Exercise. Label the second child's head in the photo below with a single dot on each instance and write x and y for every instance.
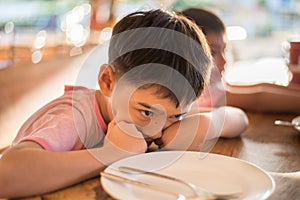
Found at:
(214, 30)
(161, 62)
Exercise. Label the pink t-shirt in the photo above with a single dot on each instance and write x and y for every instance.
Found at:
(70, 122)
(214, 95)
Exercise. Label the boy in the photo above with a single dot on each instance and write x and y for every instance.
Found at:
(158, 65)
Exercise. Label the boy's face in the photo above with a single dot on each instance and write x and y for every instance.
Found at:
(148, 111)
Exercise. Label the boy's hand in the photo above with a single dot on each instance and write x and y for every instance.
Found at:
(125, 137)
(122, 140)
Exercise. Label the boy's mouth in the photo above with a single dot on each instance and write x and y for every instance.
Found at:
(156, 141)
(149, 143)
(159, 142)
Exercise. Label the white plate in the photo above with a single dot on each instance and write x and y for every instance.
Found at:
(296, 120)
(213, 172)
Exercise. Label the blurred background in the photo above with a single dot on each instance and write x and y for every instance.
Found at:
(37, 30)
(44, 45)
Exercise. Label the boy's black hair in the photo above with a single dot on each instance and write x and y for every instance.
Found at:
(163, 49)
(205, 19)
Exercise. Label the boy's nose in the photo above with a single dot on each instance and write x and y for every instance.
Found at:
(151, 133)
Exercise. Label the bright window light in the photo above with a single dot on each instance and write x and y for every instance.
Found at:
(265, 70)
(40, 40)
(236, 33)
(105, 35)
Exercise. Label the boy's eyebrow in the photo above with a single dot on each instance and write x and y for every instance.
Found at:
(149, 107)
(157, 110)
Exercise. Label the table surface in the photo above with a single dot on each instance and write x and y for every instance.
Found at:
(276, 149)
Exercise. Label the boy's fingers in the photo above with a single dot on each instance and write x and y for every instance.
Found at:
(130, 129)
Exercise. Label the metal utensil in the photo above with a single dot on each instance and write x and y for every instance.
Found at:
(154, 188)
(286, 123)
(197, 191)
(141, 184)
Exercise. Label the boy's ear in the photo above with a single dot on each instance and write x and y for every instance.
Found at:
(106, 80)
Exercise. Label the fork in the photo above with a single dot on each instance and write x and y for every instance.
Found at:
(141, 184)
(152, 187)
(198, 192)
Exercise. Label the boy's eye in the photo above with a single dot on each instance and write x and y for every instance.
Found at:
(147, 113)
(178, 117)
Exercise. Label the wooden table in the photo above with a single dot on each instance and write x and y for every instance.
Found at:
(275, 149)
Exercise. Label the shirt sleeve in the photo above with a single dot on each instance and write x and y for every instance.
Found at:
(54, 128)
(70, 122)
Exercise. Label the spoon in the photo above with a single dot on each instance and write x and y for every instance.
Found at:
(286, 123)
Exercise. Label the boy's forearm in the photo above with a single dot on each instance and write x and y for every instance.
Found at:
(28, 164)
(191, 132)
(34, 171)
(187, 134)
